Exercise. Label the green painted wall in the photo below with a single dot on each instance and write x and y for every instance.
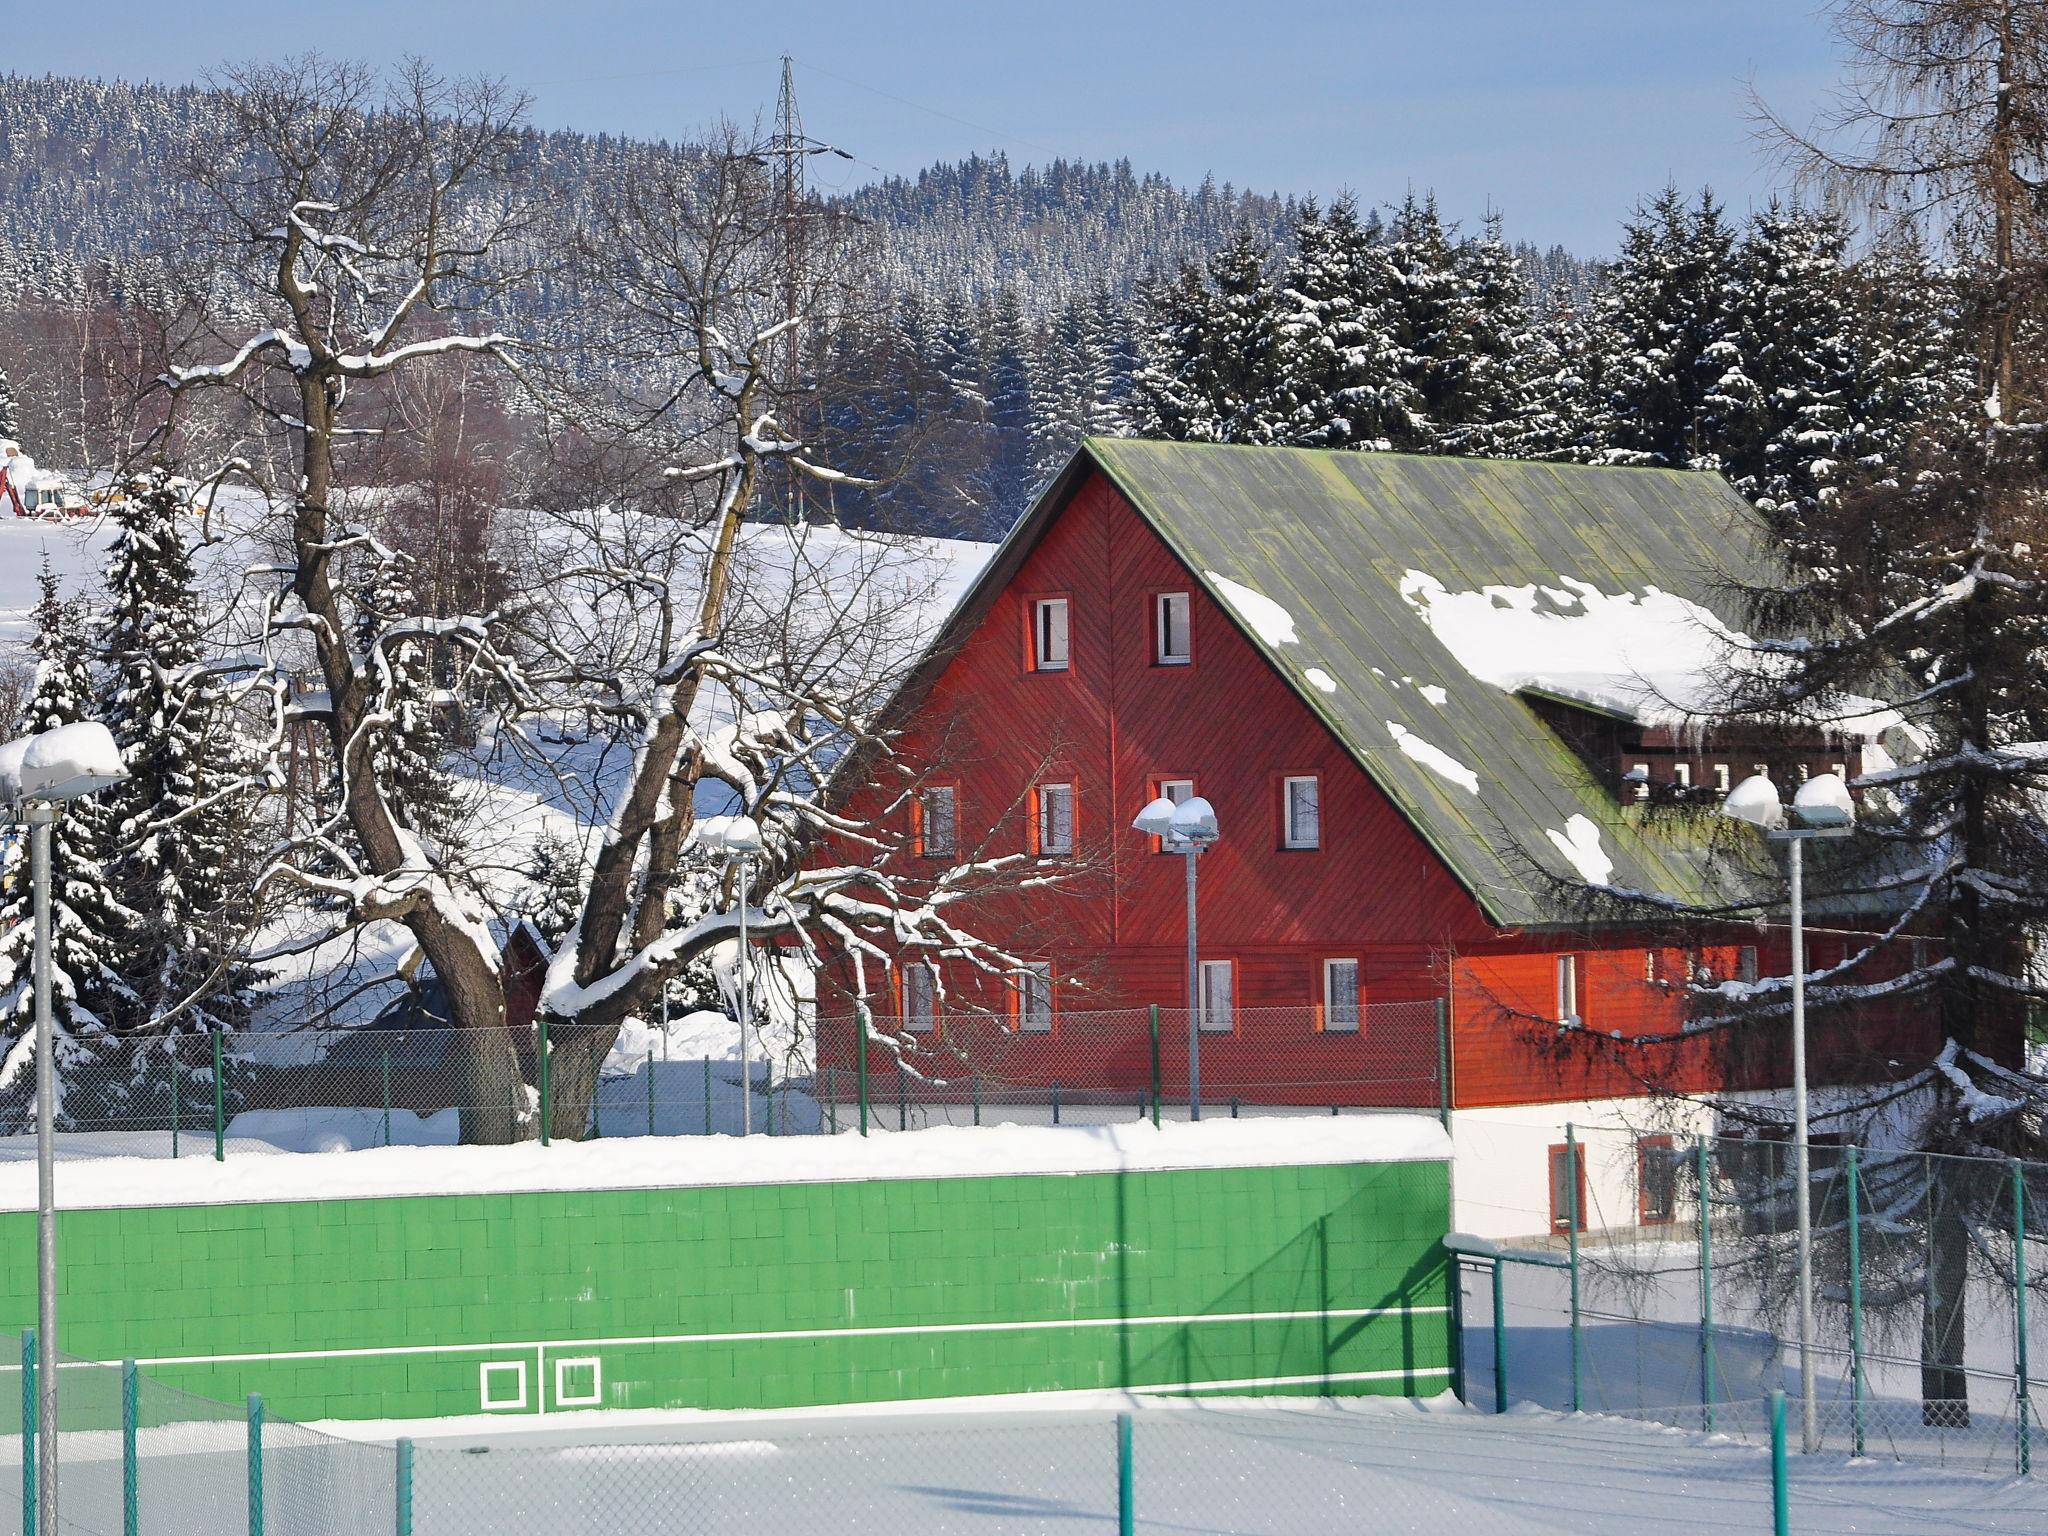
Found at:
(1257, 1279)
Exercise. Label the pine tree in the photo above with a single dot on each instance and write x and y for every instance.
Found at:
(179, 827)
(88, 923)
(1659, 316)
(555, 870)
(1340, 379)
(411, 749)
(1430, 324)
(1006, 351)
(1500, 348)
(1212, 368)
(10, 419)
(1782, 405)
(1913, 370)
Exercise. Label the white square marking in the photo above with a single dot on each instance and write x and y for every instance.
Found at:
(565, 1396)
(501, 1402)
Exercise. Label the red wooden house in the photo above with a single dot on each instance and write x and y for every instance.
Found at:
(1430, 699)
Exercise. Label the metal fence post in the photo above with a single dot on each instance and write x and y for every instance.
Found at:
(1707, 1382)
(860, 1026)
(255, 1464)
(975, 1079)
(1571, 1220)
(1443, 1060)
(131, 1480)
(832, 1098)
(1126, 1494)
(708, 1125)
(650, 1090)
(384, 1074)
(220, 1103)
(547, 1088)
(768, 1092)
(403, 1521)
(902, 1099)
(1154, 1012)
(1781, 1513)
(29, 1400)
(177, 1109)
(1055, 1101)
(2019, 1294)
(1500, 1341)
(1855, 1194)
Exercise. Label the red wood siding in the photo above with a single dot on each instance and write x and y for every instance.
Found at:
(1114, 723)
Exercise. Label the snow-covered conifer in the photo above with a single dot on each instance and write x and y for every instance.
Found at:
(410, 750)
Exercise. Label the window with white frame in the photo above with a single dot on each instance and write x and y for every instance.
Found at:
(1034, 997)
(1173, 643)
(1055, 820)
(1640, 773)
(938, 821)
(1301, 812)
(1681, 775)
(1721, 777)
(1049, 638)
(1340, 996)
(1568, 990)
(1217, 977)
(1179, 791)
(920, 997)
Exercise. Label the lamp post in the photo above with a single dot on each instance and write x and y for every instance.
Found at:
(738, 838)
(1821, 808)
(1188, 829)
(37, 773)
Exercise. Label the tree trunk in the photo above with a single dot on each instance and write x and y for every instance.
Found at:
(575, 1059)
(1944, 1387)
(496, 1107)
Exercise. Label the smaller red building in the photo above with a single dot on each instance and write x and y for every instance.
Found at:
(1432, 701)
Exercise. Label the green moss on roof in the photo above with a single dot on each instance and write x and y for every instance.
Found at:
(1328, 536)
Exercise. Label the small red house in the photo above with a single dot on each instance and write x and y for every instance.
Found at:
(1431, 701)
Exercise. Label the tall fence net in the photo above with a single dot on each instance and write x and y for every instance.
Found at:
(330, 1090)
(135, 1455)
(1930, 1312)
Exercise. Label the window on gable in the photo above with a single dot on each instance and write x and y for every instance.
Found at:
(938, 821)
(1639, 773)
(1218, 1014)
(1301, 810)
(920, 997)
(1568, 990)
(1340, 996)
(1172, 638)
(1055, 820)
(1050, 650)
(1681, 775)
(1034, 998)
(1721, 777)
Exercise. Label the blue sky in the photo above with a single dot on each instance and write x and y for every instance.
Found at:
(1560, 113)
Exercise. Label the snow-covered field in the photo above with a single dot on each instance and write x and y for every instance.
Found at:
(1271, 1468)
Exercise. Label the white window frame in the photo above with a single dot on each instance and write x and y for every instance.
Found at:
(1722, 778)
(920, 1020)
(1681, 775)
(1034, 1006)
(926, 844)
(492, 1404)
(1289, 837)
(1049, 846)
(1052, 634)
(1227, 969)
(1349, 999)
(1569, 988)
(1642, 784)
(1162, 629)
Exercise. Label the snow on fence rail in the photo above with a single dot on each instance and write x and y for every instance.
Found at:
(323, 1090)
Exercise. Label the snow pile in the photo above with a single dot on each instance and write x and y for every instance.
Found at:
(1320, 679)
(661, 1162)
(1649, 655)
(1433, 758)
(1261, 615)
(1580, 843)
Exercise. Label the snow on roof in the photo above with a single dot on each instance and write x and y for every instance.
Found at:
(1433, 758)
(1579, 842)
(1266, 618)
(699, 1161)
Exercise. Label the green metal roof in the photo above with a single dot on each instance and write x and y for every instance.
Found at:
(1329, 537)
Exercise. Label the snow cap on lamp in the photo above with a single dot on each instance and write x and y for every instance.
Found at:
(731, 836)
(70, 761)
(1824, 801)
(1156, 820)
(1194, 821)
(1755, 800)
(10, 768)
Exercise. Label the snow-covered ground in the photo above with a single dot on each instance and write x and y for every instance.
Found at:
(1213, 1468)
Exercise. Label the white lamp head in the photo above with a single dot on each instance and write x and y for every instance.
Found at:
(1194, 822)
(1156, 820)
(70, 761)
(1755, 800)
(743, 837)
(1824, 801)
